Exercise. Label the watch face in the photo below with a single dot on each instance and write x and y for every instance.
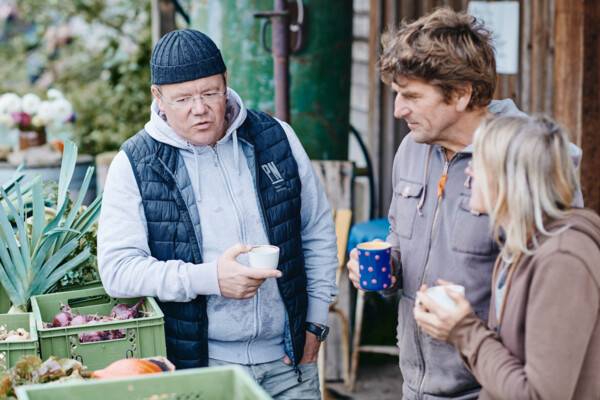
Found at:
(324, 333)
(320, 332)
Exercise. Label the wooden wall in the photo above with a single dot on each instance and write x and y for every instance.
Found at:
(559, 75)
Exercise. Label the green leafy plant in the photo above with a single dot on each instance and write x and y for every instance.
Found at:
(34, 260)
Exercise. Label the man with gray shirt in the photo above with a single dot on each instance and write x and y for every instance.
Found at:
(185, 199)
(443, 71)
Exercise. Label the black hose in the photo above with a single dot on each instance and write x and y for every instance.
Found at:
(369, 172)
(181, 11)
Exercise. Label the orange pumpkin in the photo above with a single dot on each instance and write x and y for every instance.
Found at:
(58, 144)
(126, 367)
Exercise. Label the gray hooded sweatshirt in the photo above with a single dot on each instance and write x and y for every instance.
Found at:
(435, 238)
(226, 212)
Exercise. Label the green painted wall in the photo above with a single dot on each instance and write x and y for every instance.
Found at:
(319, 73)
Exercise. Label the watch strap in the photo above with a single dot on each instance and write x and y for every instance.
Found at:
(319, 331)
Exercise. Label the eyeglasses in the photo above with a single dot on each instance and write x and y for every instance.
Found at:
(188, 101)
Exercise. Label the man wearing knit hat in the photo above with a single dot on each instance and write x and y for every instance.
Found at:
(184, 201)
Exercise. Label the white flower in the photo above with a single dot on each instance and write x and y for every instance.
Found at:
(61, 110)
(30, 103)
(39, 121)
(10, 103)
(46, 111)
(54, 94)
(6, 119)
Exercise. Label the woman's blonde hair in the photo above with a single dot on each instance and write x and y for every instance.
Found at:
(528, 176)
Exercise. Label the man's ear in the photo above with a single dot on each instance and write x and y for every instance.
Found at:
(462, 97)
(157, 97)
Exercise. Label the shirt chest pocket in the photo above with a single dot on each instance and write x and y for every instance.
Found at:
(406, 199)
(471, 232)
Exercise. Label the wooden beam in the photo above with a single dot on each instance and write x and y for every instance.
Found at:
(590, 105)
(568, 38)
(374, 114)
(538, 58)
(163, 18)
(525, 42)
(577, 86)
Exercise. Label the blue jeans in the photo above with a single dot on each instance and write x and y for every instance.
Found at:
(280, 381)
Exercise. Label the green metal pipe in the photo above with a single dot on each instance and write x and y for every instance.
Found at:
(319, 72)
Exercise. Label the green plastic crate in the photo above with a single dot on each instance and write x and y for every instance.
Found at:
(145, 337)
(214, 383)
(10, 352)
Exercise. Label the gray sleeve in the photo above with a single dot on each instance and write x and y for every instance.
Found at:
(126, 266)
(318, 236)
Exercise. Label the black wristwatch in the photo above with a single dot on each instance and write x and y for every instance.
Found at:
(320, 332)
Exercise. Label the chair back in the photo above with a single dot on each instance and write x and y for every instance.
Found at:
(337, 178)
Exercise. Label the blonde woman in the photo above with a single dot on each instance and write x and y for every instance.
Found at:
(542, 340)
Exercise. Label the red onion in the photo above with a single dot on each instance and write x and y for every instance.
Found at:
(116, 334)
(92, 336)
(125, 311)
(78, 320)
(63, 318)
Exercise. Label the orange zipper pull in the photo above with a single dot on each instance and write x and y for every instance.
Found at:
(442, 184)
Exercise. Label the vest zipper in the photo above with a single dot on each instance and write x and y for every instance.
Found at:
(441, 186)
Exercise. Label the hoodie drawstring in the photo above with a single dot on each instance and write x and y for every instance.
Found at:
(196, 169)
(236, 155)
(422, 201)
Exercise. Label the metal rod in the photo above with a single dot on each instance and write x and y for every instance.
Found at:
(281, 53)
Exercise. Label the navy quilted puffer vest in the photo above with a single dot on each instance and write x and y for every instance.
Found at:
(157, 167)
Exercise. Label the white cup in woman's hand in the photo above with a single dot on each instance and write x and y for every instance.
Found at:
(439, 295)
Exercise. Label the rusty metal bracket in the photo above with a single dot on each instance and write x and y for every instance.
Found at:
(295, 26)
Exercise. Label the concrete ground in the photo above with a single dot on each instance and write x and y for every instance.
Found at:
(373, 382)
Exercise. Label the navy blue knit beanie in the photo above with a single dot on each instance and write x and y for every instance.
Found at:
(185, 55)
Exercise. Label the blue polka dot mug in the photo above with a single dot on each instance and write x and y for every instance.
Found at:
(375, 265)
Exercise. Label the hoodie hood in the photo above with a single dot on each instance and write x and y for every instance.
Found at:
(499, 108)
(508, 107)
(582, 220)
(159, 128)
(505, 107)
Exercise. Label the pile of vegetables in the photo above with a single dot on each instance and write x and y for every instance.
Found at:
(14, 335)
(119, 312)
(30, 369)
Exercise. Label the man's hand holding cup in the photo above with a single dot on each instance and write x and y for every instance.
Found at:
(238, 281)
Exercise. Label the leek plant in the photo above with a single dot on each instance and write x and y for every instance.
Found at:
(33, 260)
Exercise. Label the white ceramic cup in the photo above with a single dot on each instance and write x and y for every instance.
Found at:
(264, 256)
(438, 294)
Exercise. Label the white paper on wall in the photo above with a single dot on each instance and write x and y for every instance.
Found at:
(502, 19)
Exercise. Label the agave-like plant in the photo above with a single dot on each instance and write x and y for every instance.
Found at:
(33, 260)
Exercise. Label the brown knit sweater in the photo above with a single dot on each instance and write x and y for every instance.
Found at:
(548, 342)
